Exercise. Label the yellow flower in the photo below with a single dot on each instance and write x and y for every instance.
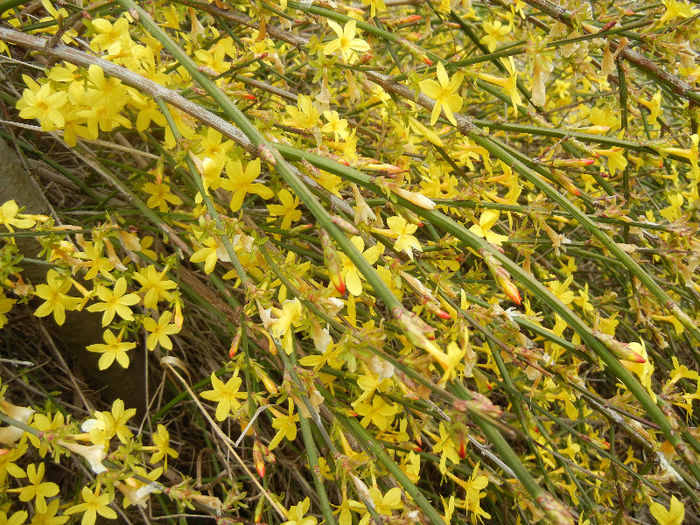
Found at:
(116, 420)
(161, 443)
(225, 394)
(486, 221)
(672, 516)
(110, 37)
(148, 111)
(5, 306)
(561, 290)
(38, 489)
(240, 182)
(159, 331)
(674, 211)
(287, 210)
(93, 504)
(154, 285)
(160, 195)
(207, 254)
(295, 514)
(654, 107)
(375, 5)
(42, 103)
(8, 216)
(384, 504)
(508, 84)
(616, 158)
(287, 318)
(495, 31)
(444, 93)
(55, 299)
(445, 447)
(113, 350)
(402, 231)
(473, 487)
(689, 153)
(286, 426)
(642, 366)
(17, 518)
(48, 517)
(336, 125)
(114, 302)
(349, 273)
(305, 115)
(97, 264)
(455, 354)
(676, 9)
(378, 412)
(103, 102)
(48, 424)
(346, 42)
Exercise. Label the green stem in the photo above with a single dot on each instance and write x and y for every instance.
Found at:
(378, 452)
(309, 444)
(10, 4)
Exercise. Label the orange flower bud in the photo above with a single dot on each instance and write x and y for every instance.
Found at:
(511, 291)
(621, 350)
(258, 459)
(332, 263)
(566, 183)
(434, 307)
(502, 277)
(462, 449)
(401, 21)
(415, 50)
(234, 344)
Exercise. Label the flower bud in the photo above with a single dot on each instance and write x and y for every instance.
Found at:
(621, 350)
(415, 50)
(258, 459)
(434, 307)
(418, 199)
(235, 344)
(566, 183)
(502, 277)
(557, 513)
(572, 163)
(401, 21)
(345, 225)
(259, 508)
(332, 263)
(413, 326)
(268, 383)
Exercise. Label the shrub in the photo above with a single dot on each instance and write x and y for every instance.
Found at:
(382, 261)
